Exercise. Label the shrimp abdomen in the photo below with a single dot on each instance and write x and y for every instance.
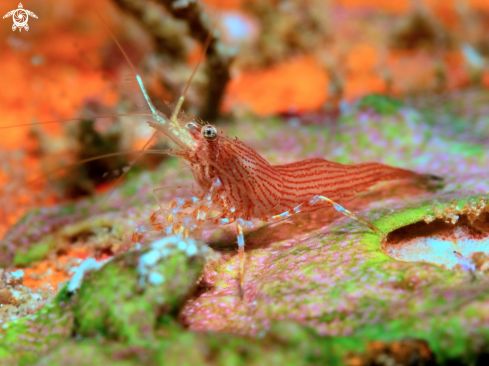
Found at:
(307, 178)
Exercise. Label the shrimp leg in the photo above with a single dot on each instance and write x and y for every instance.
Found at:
(241, 257)
(316, 199)
(171, 223)
(240, 223)
(348, 213)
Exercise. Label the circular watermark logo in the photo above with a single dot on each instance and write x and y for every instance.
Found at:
(20, 17)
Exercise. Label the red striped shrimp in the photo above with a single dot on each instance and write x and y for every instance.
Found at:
(241, 185)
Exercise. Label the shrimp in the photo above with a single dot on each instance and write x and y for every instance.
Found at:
(241, 185)
(238, 185)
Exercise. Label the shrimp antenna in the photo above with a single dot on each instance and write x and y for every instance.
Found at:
(37, 179)
(101, 116)
(98, 157)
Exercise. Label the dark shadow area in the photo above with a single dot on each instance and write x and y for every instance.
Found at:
(438, 227)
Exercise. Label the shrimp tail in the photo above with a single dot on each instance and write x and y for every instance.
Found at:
(430, 182)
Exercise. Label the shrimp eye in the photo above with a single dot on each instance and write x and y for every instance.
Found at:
(209, 132)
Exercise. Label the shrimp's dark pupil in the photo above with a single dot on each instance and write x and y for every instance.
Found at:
(209, 132)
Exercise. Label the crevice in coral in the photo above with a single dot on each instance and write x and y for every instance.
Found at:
(450, 239)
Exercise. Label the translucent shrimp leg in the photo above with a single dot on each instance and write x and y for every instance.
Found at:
(345, 212)
(240, 224)
(241, 257)
(175, 207)
(139, 232)
(171, 222)
(321, 199)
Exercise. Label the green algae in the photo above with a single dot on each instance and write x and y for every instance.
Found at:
(284, 344)
(105, 229)
(381, 104)
(35, 253)
(116, 303)
(23, 340)
(113, 303)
